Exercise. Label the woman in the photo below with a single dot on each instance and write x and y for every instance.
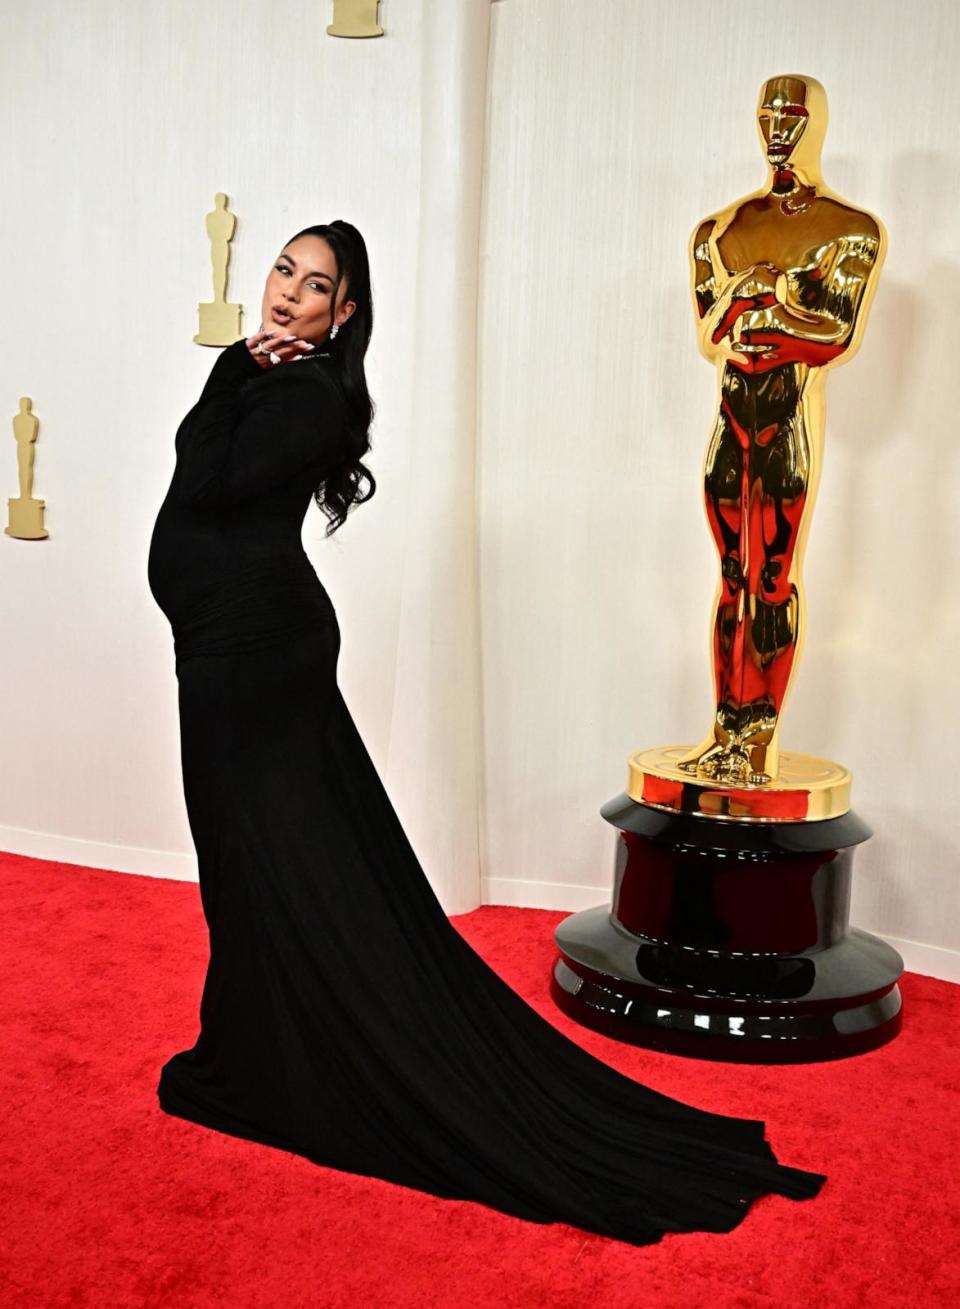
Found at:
(343, 1017)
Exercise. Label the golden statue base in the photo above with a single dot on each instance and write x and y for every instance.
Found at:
(26, 519)
(806, 789)
(219, 323)
(355, 18)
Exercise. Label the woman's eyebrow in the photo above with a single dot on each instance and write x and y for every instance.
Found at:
(315, 273)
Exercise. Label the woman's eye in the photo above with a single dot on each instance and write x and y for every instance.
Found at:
(281, 268)
(318, 286)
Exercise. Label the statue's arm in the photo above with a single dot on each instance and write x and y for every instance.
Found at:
(716, 291)
(821, 300)
(703, 275)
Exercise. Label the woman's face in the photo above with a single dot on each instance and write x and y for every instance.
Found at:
(299, 290)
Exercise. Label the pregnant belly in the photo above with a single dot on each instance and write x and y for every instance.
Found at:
(221, 599)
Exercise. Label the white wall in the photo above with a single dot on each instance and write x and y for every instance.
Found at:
(613, 128)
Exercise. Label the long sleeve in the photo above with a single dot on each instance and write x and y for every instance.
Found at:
(232, 367)
(251, 431)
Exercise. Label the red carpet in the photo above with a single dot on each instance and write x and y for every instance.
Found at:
(109, 1203)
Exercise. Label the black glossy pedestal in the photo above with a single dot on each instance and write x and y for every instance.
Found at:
(730, 940)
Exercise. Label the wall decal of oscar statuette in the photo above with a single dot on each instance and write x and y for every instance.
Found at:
(26, 513)
(355, 18)
(219, 321)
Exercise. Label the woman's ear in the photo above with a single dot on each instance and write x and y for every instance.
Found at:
(345, 310)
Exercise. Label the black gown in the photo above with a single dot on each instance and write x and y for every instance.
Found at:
(343, 1017)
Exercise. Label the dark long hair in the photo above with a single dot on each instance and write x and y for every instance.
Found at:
(343, 485)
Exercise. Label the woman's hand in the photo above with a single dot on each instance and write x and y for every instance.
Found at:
(279, 343)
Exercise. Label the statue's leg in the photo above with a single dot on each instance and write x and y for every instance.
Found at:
(220, 256)
(25, 451)
(774, 597)
(724, 491)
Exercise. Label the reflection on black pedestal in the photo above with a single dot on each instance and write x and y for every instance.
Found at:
(731, 941)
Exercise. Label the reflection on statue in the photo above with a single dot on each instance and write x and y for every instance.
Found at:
(355, 18)
(25, 513)
(219, 321)
(782, 281)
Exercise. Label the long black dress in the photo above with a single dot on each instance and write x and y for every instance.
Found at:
(343, 1017)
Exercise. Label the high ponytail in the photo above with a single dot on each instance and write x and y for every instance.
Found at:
(349, 483)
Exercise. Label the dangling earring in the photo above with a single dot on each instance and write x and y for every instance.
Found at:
(334, 330)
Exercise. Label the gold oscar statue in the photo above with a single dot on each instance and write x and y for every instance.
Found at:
(782, 282)
(26, 513)
(219, 321)
(729, 935)
(355, 18)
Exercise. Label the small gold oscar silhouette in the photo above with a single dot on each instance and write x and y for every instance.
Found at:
(219, 321)
(355, 18)
(26, 513)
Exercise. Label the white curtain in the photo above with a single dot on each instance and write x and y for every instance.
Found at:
(526, 600)
(433, 759)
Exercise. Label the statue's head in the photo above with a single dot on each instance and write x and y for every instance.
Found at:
(792, 117)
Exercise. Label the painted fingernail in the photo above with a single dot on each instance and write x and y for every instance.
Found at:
(289, 338)
(310, 346)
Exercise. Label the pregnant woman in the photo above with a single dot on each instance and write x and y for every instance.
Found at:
(343, 1017)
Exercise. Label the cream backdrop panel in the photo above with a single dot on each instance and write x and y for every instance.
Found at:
(574, 502)
(119, 122)
(613, 128)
